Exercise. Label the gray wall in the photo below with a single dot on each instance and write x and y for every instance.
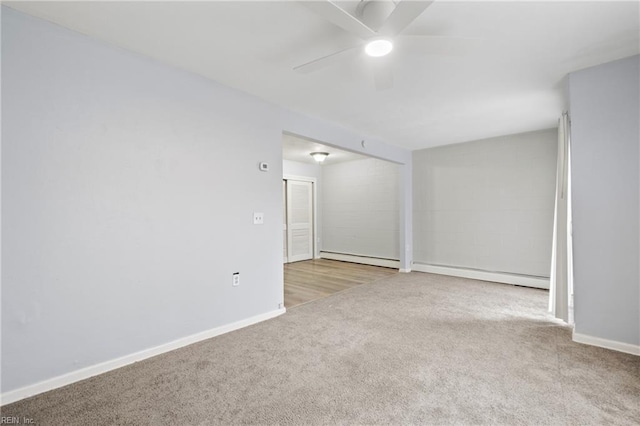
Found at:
(487, 204)
(360, 208)
(128, 189)
(605, 111)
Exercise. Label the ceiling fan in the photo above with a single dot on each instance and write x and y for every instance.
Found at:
(377, 22)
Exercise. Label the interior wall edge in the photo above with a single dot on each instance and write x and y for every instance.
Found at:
(104, 367)
(497, 277)
(365, 260)
(606, 344)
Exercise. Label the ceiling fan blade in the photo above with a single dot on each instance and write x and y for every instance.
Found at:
(328, 60)
(405, 13)
(340, 17)
(382, 74)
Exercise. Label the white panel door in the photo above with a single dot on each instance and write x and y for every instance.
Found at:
(299, 220)
(284, 220)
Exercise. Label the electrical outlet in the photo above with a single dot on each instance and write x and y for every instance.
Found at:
(258, 218)
(236, 279)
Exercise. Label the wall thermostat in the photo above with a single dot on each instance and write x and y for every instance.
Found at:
(264, 167)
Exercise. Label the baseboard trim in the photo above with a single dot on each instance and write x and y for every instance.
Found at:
(499, 277)
(365, 260)
(404, 271)
(94, 370)
(607, 344)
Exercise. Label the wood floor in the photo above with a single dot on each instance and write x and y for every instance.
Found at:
(313, 279)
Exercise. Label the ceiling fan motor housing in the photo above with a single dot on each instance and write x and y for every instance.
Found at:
(373, 13)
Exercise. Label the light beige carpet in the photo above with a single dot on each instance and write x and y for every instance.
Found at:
(411, 349)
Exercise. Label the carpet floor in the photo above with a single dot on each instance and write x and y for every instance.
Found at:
(410, 349)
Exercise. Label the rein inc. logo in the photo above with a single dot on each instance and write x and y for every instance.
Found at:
(16, 421)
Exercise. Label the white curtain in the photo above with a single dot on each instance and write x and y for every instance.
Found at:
(560, 257)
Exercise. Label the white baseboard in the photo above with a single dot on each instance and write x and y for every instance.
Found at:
(498, 277)
(404, 271)
(94, 370)
(607, 344)
(374, 261)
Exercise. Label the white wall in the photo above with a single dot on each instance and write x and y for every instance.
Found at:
(360, 208)
(128, 189)
(605, 134)
(296, 168)
(487, 204)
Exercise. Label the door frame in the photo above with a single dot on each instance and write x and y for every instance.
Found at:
(314, 208)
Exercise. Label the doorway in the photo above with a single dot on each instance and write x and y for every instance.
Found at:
(355, 219)
(299, 223)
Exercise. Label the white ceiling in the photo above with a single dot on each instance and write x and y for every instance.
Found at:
(507, 79)
(295, 148)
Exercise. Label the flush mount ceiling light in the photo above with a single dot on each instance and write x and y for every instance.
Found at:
(378, 47)
(319, 156)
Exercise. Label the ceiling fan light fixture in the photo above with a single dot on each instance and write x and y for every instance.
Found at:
(378, 47)
(319, 156)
